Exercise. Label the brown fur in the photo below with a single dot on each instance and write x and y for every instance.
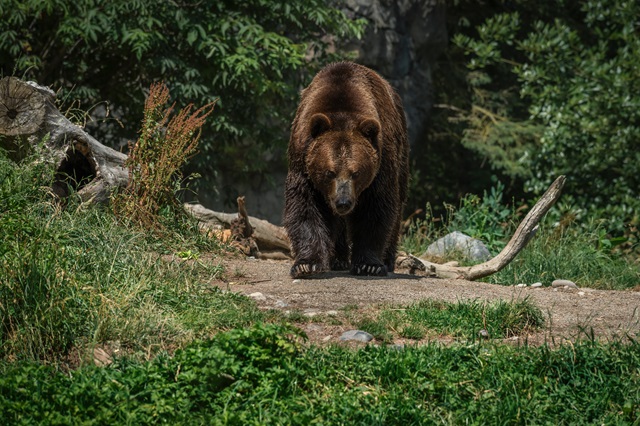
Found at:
(348, 173)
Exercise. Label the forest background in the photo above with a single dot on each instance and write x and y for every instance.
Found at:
(510, 94)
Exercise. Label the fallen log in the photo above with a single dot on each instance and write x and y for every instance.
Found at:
(28, 117)
(267, 235)
(525, 231)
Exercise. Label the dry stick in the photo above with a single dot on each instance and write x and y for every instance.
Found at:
(526, 230)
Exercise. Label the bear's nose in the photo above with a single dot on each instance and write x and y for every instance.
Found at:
(343, 204)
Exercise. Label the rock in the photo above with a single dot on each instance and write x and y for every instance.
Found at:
(581, 293)
(281, 304)
(536, 285)
(403, 41)
(297, 281)
(457, 242)
(258, 296)
(521, 285)
(101, 358)
(332, 313)
(311, 312)
(563, 283)
(357, 335)
(483, 333)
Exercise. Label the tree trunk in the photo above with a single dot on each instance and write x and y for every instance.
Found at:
(28, 117)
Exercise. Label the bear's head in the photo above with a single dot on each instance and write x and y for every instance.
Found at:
(342, 158)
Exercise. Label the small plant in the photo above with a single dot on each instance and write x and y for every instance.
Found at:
(485, 218)
(155, 160)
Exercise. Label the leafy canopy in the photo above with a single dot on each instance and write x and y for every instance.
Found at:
(253, 55)
(562, 96)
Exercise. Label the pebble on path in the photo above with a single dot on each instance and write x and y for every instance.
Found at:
(258, 296)
(536, 285)
(563, 283)
(357, 335)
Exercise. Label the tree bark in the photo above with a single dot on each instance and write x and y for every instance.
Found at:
(28, 116)
(267, 235)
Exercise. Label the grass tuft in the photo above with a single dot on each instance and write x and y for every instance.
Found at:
(463, 319)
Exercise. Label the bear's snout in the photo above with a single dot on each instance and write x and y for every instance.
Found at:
(343, 200)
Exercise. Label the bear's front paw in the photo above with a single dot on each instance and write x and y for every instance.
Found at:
(371, 270)
(302, 269)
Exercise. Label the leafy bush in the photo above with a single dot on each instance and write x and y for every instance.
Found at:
(262, 376)
(571, 104)
(485, 218)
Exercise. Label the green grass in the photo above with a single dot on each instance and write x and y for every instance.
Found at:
(73, 277)
(262, 375)
(463, 319)
(573, 256)
(581, 252)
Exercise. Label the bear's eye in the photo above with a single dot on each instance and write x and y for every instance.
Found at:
(355, 175)
(329, 174)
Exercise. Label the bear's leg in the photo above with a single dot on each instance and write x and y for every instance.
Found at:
(341, 260)
(370, 232)
(391, 252)
(306, 221)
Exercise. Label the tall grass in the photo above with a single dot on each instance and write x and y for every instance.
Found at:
(567, 249)
(75, 277)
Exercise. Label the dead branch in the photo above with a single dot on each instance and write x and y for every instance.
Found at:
(267, 235)
(526, 230)
(28, 116)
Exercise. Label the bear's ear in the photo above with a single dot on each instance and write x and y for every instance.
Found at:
(370, 129)
(320, 123)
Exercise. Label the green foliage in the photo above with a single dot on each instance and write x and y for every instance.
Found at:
(262, 376)
(72, 277)
(460, 320)
(571, 252)
(485, 218)
(574, 92)
(563, 248)
(253, 55)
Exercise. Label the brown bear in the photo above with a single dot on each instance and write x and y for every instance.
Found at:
(348, 173)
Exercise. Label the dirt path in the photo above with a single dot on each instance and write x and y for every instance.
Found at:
(570, 313)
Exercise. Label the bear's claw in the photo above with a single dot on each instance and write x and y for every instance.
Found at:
(303, 269)
(372, 270)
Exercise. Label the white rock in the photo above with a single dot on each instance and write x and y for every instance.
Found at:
(258, 296)
(332, 313)
(521, 285)
(536, 285)
(358, 335)
(456, 241)
(297, 281)
(311, 312)
(563, 283)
